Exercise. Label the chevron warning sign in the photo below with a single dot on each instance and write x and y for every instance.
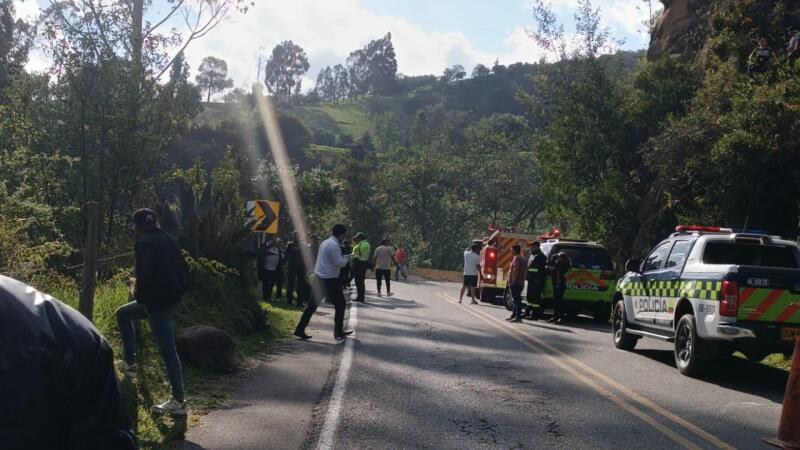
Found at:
(262, 216)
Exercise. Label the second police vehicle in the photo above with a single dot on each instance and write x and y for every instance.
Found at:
(712, 291)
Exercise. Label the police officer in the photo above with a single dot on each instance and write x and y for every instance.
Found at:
(537, 273)
(559, 267)
(58, 387)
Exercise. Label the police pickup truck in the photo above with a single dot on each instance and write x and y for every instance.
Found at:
(712, 291)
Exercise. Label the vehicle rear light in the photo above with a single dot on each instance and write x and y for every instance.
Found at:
(608, 275)
(490, 263)
(729, 296)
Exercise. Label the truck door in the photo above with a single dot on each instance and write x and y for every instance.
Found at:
(654, 275)
(668, 289)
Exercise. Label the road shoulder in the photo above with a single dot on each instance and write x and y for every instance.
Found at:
(274, 405)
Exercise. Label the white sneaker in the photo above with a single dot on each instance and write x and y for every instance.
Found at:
(129, 370)
(380, 295)
(390, 294)
(170, 406)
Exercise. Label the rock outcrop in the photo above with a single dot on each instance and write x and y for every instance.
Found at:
(207, 347)
(678, 32)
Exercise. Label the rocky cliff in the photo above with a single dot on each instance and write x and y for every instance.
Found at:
(678, 32)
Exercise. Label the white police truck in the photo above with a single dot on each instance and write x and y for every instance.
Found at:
(712, 291)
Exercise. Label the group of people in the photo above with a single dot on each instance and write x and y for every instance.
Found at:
(535, 269)
(762, 57)
(276, 259)
(336, 265)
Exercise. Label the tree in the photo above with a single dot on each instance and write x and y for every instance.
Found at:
(373, 69)
(212, 76)
(16, 38)
(454, 73)
(497, 68)
(285, 70)
(341, 82)
(481, 71)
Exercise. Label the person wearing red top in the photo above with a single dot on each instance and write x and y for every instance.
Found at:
(516, 282)
(400, 260)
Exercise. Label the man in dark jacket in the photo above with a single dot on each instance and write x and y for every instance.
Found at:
(537, 274)
(295, 271)
(559, 266)
(161, 280)
(58, 388)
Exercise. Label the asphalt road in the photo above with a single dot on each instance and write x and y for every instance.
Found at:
(425, 372)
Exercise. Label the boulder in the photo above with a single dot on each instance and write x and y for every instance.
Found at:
(207, 347)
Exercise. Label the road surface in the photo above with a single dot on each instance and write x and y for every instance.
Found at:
(425, 372)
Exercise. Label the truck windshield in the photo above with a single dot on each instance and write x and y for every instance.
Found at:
(742, 254)
(587, 257)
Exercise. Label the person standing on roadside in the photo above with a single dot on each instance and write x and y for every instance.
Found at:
(516, 281)
(360, 255)
(330, 261)
(58, 386)
(345, 275)
(267, 265)
(472, 270)
(537, 274)
(161, 281)
(279, 272)
(384, 258)
(295, 271)
(400, 260)
(559, 266)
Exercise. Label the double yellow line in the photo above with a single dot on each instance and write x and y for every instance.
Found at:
(629, 400)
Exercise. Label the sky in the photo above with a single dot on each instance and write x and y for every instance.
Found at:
(428, 35)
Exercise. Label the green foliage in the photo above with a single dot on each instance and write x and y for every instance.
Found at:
(212, 76)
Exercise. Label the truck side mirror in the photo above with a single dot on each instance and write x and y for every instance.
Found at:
(633, 265)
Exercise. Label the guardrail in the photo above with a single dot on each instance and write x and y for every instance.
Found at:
(438, 275)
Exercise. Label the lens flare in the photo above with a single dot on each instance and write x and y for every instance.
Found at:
(286, 175)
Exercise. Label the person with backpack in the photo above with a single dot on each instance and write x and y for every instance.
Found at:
(160, 282)
(760, 58)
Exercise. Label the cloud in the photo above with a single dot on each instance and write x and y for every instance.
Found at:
(330, 30)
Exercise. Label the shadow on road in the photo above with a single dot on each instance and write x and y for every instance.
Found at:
(736, 374)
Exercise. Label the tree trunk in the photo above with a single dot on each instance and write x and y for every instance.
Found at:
(89, 275)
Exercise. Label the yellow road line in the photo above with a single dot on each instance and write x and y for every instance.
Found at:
(529, 341)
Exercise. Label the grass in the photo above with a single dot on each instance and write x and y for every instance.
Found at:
(326, 156)
(205, 390)
(343, 118)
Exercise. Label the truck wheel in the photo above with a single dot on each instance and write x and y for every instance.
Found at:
(688, 347)
(508, 300)
(622, 340)
(602, 313)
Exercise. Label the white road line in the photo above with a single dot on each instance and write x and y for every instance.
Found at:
(328, 434)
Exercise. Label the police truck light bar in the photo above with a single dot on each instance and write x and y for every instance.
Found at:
(703, 229)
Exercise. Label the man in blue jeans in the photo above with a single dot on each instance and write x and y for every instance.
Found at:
(161, 279)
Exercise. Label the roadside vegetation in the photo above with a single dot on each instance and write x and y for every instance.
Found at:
(606, 144)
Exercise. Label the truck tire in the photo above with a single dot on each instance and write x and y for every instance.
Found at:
(602, 313)
(622, 340)
(688, 347)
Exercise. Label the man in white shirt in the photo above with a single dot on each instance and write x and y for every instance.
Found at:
(384, 258)
(330, 261)
(472, 270)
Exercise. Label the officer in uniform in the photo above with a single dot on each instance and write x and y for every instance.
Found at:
(559, 266)
(537, 273)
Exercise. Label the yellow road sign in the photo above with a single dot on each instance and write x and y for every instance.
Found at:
(262, 216)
